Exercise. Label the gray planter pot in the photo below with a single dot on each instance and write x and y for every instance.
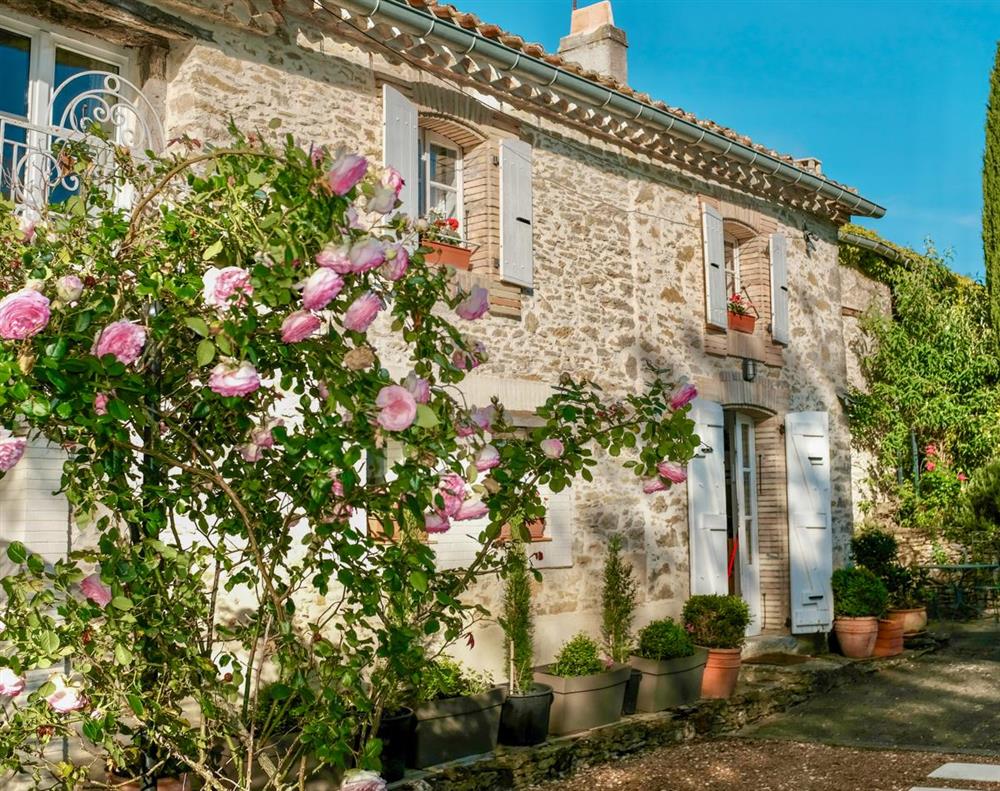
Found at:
(584, 702)
(670, 682)
(453, 728)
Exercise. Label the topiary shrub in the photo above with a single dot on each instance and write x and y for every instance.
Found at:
(715, 621)
(664, 639)
(617, 603)
(858, 593)
(580, 656)
(516, 621)
(876, 550)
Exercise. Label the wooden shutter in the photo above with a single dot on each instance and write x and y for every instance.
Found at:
(779, 288)
(400, 147)
(707, 501)
(516, 249)
(810, 542)
(715, 267)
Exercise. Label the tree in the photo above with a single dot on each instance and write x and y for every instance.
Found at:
(618, 603)
(211, 363)
(991, 194)
(516, 619)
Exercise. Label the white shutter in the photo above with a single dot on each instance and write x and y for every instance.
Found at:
(400, 146)
(779, 288)
(516, 249)
(707, 501)
(807, 447)
(715, 267)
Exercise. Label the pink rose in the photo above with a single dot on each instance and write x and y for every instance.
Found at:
(251, 453)
(931, 466)
(655, 485)
(263, 436)
(366, 254)
(471, 509)
(484, 416)
(683, 395)
(27, 224)
(672, 471)
(353, 221)
(398, 408)
(359, 780)
(95, 590)
(317, 154)
(397, 261)
(23, 314)
(11, 684)
(335, 257)
(393, 179)
(362, 312)
(123, 340)
(382, 201)
(321, 287)
(475, 304)
(552, 448)
(487, 458)
(419, 388)
(69, 288)
(300, 325)
(222, 285)
(101, 404)
(67, 697)
(436, 523)
(234, 379)
(347, 171)
(931, 450)
(452, 490)
(11, 449)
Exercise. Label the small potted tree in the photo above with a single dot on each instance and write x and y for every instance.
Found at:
(617, 614)
(859, 600)
(742, 314)
(524, 719)
(718, 623)
(588, 691)
(671, 665)
(457, 713)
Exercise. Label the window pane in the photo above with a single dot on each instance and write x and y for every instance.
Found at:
(443, 201)
(15, 56)
(443, 165)
(729, 247)
(69, 64)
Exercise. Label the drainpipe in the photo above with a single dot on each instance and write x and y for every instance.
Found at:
(426, 26)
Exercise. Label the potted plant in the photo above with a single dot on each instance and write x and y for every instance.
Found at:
(444, 244)
(859, 600)
(878, 551)
(588, 691)
(739, 310)
(718, 623)
(617, 614)
(671, 665)
(524, 719)
(907, 596)
(172, 775)
(533, 529)
(395, 731)
(457, 713)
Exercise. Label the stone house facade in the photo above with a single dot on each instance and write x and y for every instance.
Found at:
(610, 229)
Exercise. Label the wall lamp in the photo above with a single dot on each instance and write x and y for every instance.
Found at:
(749, 369)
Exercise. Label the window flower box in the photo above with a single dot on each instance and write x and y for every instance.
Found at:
(742, 323)
(441, 253)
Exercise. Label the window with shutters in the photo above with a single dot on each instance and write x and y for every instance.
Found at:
(440, 180)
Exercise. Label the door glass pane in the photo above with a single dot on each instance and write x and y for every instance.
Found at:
(69, 64)
(15, 56)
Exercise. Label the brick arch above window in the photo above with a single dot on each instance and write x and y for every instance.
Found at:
(456, 130)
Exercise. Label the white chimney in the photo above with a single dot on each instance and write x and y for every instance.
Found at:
(595, 43)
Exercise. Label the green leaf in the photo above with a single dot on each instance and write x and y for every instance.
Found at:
(418, 580)
(212, 251)
(49, 642)
(17, 552)
(426, 417)
(135, 703)
(255, 179)
(205, 352)
(274, 123)
(122, 655)
(118, 410)
(121, 603)
(198, 324)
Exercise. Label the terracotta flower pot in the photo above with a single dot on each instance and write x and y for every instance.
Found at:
(722, 671)
(889, 641)
(742, 323)
(913, 620)
(856, 636)
(536, 529)
(448, 255)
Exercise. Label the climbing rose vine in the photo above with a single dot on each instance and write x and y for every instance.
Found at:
(222, 365)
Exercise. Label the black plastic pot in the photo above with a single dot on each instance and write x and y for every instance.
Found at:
(452, 728)
(396, 733)
(631, 692)
(524, 719)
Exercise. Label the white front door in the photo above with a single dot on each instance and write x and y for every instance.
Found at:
(744, 499)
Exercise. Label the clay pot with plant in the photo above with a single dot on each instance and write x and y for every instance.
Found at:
(672, 666)
(587, 690)
(859, 600)
(878, 551)
(618, 599)
(524, 719)
(741, 313)
(718, 623)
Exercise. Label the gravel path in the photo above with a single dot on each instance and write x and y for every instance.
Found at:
(742, 764)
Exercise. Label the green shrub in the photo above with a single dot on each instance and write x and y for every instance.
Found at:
(580, 656)
(516, 622)
(715, 621)
(664, 639)
(978, 522)
(858, 593)
(617, 603)
(446, 678)
(876, 550)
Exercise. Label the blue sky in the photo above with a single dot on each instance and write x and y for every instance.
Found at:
(890, 95)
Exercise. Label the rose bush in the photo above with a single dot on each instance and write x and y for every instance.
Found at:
(210, 364)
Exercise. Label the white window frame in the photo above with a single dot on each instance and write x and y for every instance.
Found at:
(727, 239)
(428, 137)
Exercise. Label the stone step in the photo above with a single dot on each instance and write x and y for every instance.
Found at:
(981, 773)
